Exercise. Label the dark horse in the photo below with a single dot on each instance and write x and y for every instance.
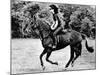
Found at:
(72, 38)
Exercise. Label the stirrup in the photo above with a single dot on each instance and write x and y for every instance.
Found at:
(69, 30)
(64, 30)
(54, 46)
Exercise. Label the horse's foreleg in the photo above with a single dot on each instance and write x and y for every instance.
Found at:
(44, 52)
(71, 57)
(47, 58)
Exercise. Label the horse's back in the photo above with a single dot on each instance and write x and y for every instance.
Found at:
(62, 41)
(68, 38)
(76, 35)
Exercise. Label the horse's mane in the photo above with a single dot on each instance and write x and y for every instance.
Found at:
(44, 27)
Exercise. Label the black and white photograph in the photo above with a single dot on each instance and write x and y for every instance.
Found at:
(52, 37)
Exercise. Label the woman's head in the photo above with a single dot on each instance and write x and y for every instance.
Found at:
(53, 9)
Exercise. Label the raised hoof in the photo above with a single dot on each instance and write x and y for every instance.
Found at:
(66, 66)
(56, 63)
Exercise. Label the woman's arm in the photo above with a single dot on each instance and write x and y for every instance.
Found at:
(54, 25)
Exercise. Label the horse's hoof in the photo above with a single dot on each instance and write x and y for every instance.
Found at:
(65, 69)
(72, 65)
(66, 66)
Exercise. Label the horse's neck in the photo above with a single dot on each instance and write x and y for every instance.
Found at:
(43, 32)
(40, 34)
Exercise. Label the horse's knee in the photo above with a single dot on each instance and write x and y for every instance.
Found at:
(46, 59)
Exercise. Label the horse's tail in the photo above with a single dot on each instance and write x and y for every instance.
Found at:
(90, 49)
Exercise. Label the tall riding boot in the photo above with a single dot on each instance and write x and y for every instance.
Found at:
(52, 36)
(54, 41)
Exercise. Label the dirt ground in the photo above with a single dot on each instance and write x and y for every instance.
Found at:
(25, 57)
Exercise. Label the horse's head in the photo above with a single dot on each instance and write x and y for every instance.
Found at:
(40, 25)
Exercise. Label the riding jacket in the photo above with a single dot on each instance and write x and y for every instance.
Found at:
(58, 23)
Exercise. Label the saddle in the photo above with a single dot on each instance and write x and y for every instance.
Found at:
(65, 31)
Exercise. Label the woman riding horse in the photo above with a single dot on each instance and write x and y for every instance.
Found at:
(58, 24)
(72, 38)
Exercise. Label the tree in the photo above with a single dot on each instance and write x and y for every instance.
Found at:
(22, 14)
(86, 26)
(82, 20)
(79, 17)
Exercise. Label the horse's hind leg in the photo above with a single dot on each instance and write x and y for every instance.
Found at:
(48, 55)
(77, 52)
(44, 52)
(72, 56)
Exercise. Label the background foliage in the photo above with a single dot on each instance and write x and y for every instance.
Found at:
(81, 18)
